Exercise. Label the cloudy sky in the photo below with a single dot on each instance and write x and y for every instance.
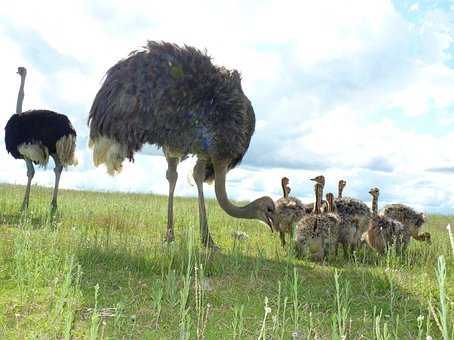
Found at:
(361, 90)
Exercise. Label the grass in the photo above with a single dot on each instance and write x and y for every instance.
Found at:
(99, 269)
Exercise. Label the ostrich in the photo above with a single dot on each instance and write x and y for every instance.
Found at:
(346, 231)
(355, 215)
(384, 232)
(289, 210)
(35, 135)
(175, 98)
(341, 185)
(316, 231)
(410, 218)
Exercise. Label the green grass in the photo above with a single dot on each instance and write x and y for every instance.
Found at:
(99, 269)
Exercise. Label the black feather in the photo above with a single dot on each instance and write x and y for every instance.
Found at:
(36, 126)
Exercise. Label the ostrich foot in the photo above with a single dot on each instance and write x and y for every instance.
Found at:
(169, 237)
(53, 207)
(24, 206)
(210, 245)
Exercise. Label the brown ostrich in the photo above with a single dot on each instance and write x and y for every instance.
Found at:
(384, 232)
(317, 231)
(408, 217)
(355, 216)
(176, 98)
(289, 210)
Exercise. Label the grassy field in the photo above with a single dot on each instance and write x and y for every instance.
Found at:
(99, 269)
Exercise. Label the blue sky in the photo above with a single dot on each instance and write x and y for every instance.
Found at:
(356, 90)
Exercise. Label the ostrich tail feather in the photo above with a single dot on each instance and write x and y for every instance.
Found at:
(66, 150)
(109, 152)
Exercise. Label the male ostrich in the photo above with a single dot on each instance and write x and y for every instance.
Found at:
(175, 98)
(289, 210)
(35, 135)
(383, 231)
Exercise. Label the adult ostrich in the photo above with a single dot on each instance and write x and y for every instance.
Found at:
(35, 135)
(175, 98)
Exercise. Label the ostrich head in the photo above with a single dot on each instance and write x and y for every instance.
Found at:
(341, 186)
(264, 210)
(421, 219)
(374, 192)
(22, 71)
(330, 200)
(319, 179)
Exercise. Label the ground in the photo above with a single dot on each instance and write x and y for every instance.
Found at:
(99, 269)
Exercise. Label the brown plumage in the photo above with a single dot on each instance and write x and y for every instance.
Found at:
(384, 232)
(317, 232)
(355, 216)
(410, 218)
(176, 98)
(289, 210)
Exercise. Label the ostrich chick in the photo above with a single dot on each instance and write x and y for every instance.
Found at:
(408, 217)
(317, 231)
(355, 215)
(384, 232)
(289, 210)
(346, 226)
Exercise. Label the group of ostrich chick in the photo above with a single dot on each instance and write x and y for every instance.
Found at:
(174, 97)
(344, 221)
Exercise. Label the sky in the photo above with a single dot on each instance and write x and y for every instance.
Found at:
(359, 90)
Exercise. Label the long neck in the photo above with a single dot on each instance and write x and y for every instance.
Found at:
(318, 198)
(284, 190)
(340, 189)
(20, 95)
(247, 211)
(330, 205)
(375, 204)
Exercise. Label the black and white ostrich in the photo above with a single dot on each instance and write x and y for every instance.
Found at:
(35, 135)
(175, 98)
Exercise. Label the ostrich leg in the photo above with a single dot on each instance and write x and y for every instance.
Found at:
(172, 176)
(199, 177)
(57, 170)
(30, 174)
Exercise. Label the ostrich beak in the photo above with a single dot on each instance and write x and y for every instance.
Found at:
(270, 221)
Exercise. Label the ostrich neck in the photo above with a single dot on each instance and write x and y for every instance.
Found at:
(339, 195)
(330, 205)
(248, 211)
(284, 190)
(20, 96)
(318, 198)
(375, 205)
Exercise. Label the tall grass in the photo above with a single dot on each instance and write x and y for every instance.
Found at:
(99, 269)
